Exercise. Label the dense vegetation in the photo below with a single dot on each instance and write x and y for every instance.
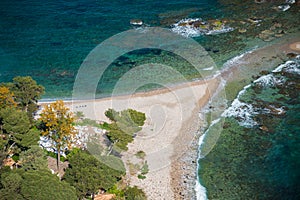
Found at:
(24, 166)
(123, 127)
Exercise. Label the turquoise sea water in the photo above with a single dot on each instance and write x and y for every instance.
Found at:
(48, 40)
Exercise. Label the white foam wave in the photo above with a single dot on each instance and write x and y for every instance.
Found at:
(186, 28)
(243, 91)
(291, 66)
(284, 7)
(278, 111)
(208, 68)
(223, 30)
(290, 1)
(269, 80)
(280, 67)
(200, 191)
(237, 59)
(243, 112)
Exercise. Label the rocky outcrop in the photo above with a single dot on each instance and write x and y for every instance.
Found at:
(136, 22)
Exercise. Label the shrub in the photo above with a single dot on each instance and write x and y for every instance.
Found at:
(140, 176)
(140, 154)
(145, 168)
(134, 193)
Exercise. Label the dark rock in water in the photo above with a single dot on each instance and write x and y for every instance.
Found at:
(291, 55)
(156, 51)
(264, 72)
(264, 128)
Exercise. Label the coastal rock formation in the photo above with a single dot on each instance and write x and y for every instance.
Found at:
(136, 22)
(275, 31)
(197, 26)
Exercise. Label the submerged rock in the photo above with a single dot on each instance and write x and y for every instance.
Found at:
(242, 30)
(254, 20)
(291, 55)
(264, 128)
(266, 35)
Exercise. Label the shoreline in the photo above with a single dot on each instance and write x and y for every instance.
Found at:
(178, 176)
(264, 58)
(171, 116)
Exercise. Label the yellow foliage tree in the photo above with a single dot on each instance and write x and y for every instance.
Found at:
(6, 98)
(57, 121)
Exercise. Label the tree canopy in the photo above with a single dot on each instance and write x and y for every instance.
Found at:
(26, 93)
(16, 131)
(87, 174)
(26, 175)
(57, 125)
(123, 127)
(34, 159)
(6, 98)
(34, 184)
(134, 193)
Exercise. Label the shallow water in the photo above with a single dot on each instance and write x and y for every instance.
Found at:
(257, 154)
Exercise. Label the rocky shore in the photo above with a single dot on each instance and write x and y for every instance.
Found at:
(239, 72)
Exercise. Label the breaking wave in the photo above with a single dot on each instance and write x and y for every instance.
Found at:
(195, 27)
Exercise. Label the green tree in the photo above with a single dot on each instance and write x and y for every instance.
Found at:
(134, 193)
(14, 121)
(118, 137)
(27, 93)
(16, 132)
(137, 117)
(34, 159)
(111, 114)
(43, 185)
(57, 126)
(88, 175)
(11, 185)
(123, 127)
(33, 184)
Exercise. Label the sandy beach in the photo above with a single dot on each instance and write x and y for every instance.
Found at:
(172, 121)
(169, 136)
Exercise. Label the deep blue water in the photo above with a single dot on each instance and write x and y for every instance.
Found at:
(48, 40)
